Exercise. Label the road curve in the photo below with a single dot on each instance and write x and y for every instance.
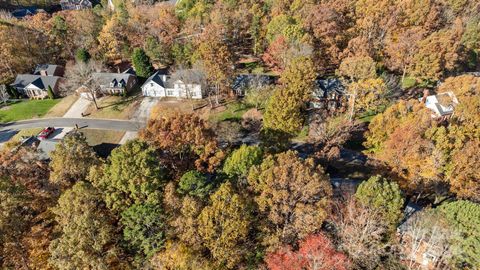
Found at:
(121, 125)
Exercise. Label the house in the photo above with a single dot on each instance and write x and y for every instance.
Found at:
(162, 85)
(442, 105)
(36, 86)
(243, 82)
(115, 83)
(75, 4)
(424, 243)
(25, 12)
(328, 94)
(49, 70)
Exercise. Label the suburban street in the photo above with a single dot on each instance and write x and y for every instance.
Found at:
(10, 129)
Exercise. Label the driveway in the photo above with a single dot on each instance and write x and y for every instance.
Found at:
(77, 108)
(145, 108)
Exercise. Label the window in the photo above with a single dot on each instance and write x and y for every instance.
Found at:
(194, 94)
(169, 92)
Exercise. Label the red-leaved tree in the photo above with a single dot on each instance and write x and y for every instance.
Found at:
(316, 252)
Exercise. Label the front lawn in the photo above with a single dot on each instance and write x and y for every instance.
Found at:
(62, 107)
(114, 107)
(26, 109)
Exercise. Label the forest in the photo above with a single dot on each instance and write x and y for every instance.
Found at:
(185, 195)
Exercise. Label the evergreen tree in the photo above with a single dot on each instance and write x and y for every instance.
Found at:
(196, 184)
(143, 229)
(82, 55)
(141, 63)
(241, 160)
(384, 196)
(50, 93)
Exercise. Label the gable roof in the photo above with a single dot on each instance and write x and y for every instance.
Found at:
(106, 78)
(442, 103)
(156, 78)
(50, 69)
(85, 3)
(23, 12)
(245, 81)
(326, 86)
(42, 82)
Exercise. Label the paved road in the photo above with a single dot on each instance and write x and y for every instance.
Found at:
(9, 129)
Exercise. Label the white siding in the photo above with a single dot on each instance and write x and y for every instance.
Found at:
(153, 90)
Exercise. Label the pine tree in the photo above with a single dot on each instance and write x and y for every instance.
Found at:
(141, 63)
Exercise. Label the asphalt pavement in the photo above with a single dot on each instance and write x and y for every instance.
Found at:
(8, 130)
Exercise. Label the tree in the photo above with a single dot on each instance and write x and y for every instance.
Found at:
(217, 60)
(224, 226)
(463, 176)
(362, 234)
(81, 76)
(71, 160)
(316, 252)
(195, 184)
(132, 175)
(437, 54)
(111, 39)
(144, 230)
(141, 63)
(258, 96)
(177, 255)
(464, 218)
(369, 94)
(300, 211)
(88, 237)
(82, 55)
(285, 109)
(50, 93)
(355, 69)
(14, 221)
(188, 139)
(427, 228)
(384, 196)
(238, 164)
(4, 95)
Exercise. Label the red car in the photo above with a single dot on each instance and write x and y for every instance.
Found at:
(45, 133)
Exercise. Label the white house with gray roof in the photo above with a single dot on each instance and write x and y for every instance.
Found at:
(162, 85)
(442, 105)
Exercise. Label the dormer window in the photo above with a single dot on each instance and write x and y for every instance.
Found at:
(121, 83)
(113, 83)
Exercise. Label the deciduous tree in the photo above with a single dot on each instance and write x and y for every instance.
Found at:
(195, 184)
(71, 160)
(88, 238)
(188, 139)
(300, 211)
(315, 252)
(224, 226)
(131, 175)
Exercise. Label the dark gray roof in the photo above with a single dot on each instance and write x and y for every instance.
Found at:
(157, 78)
(244, 81)
(326, 86)
(50, 69)
(86, 3)
(130, 70)
(107, 78)
(41, 82)
(22, 12)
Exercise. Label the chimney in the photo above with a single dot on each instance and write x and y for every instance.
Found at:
(164, 77)
(426, 93)
(43, 72)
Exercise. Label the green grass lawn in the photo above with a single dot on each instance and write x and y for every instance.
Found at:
(26, 109)
(233, 111)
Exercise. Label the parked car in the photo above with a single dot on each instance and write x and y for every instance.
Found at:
(45, 133)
